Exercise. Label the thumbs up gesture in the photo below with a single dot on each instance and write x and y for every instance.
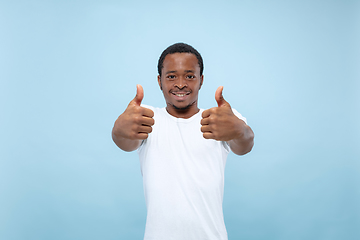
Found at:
(134, 124)
(220, 123)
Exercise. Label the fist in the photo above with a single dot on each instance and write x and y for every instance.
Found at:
(220, 123)
(135, 122)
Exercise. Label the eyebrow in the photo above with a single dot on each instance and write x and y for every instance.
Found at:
(187, 71)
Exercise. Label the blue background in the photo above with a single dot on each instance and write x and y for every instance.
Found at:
(69, 68)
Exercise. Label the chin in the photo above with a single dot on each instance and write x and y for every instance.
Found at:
(180, 106)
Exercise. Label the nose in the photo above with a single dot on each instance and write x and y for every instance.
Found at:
(180, 83)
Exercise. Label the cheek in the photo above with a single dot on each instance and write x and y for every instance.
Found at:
(197, 86)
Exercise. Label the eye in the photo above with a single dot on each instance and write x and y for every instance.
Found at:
(190, 76)
(170, 77)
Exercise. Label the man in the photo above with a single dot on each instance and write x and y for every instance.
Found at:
(182, 150)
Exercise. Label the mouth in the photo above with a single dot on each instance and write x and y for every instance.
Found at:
(181, 95)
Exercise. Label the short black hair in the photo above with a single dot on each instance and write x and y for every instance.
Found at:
(180, 48)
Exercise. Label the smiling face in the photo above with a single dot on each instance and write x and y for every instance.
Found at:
(180, 82)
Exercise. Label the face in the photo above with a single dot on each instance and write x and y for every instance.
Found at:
(180, 82)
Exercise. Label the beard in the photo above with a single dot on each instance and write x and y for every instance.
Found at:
(184, 108)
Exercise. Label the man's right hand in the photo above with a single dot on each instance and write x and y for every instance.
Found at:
(134, 124)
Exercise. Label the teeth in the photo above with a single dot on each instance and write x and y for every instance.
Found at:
(180, 95)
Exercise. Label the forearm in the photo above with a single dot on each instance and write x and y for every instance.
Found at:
(126, 144)
(244, 142)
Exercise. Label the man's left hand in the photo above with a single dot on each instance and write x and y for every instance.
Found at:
(220, 123)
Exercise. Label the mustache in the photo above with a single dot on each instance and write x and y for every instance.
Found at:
(180, 91)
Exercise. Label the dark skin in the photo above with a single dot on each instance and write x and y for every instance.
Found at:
(220, 123)
(134, 124)
(180, 82)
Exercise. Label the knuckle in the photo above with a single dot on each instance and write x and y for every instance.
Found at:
(141, 110)
(137, 109)
(134, 129)
(216, 136)
(132, 135)
(213, 110)
(212, 119)
(137, 119)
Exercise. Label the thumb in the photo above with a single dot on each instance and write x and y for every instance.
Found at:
(219, 97)
(139, 95)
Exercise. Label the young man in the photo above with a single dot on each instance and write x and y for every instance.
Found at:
(182, 150)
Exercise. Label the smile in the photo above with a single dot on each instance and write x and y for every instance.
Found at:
(180, 94)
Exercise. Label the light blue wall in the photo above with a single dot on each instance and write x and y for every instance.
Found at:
(69, 68)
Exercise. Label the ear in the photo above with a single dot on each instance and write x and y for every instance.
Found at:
(201, 81)
(159, 82)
